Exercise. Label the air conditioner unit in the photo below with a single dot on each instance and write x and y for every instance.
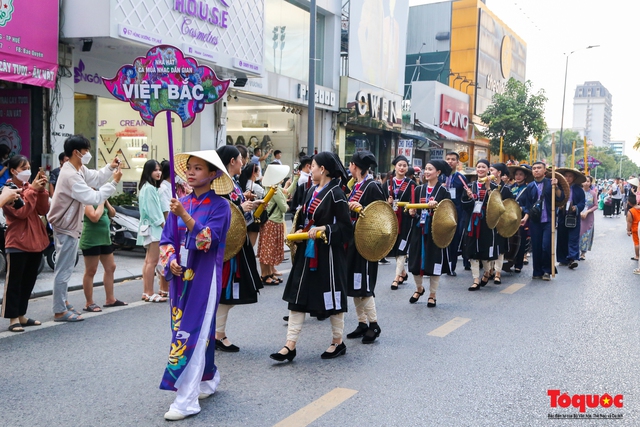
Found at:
(65, 55)
(255, 124)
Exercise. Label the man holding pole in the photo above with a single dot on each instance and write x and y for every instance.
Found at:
(537, 209)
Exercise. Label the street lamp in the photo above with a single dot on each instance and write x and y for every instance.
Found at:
(476, 85)
(469, 83)
(463, 82)
(564, 95)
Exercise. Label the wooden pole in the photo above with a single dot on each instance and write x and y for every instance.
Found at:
(586, 157)
(501, 140)
(573, 155)
(531, 153)
(553, 209)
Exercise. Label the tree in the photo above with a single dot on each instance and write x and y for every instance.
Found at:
(636, 146)
(517, 116)
(568, 136)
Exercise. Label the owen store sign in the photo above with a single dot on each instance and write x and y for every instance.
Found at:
(454, 116)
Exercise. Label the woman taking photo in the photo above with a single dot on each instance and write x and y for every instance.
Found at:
(317, 283)
(25, 239)
(480, 242)
(425, 258)
(247, 182)
(150, 229)
(399, 188)
(240, 279)
(365, 191)
(192, 255)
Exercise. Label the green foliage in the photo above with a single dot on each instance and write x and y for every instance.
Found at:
(568, 136)
(123, 199)
(612, 165)
(517, 115)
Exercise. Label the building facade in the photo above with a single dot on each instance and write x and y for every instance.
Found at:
(592, 111)
(618, 147)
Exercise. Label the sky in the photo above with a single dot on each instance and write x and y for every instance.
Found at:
(552, 28)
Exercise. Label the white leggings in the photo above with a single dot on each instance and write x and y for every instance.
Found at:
(400, 264)
(475, 267)
(221, 317)
(296, 319)
(366, 309)
(434, 281)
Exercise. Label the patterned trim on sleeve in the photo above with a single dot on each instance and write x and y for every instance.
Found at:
(203, 239)
(165, 254)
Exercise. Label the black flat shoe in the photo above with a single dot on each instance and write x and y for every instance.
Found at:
(340, 350)
(285, 318)
(453, 273)
(394, 285)
(413, 299)
(431, 304)
(484, 281)
(496, 280)
(226, 348)
(516, 270)
(359, 331)
(276, 279)
(282, 357)
(372, 333)
(271, 281)
(403, 279)
(474, 287)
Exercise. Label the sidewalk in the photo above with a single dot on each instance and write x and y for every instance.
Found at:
(128, 266)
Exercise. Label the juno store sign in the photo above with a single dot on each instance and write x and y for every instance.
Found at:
(454, 116)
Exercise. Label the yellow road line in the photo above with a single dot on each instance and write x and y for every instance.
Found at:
(513, 288)
(317, 408)
(448, 327)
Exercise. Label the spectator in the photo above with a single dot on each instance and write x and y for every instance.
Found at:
(616, 194)
(276, 157)
(95, 244)
(258, 158)
(25, 240)
(271, 244)
(74, 185)
(5, 150)
(247, 182)
(165, 199)
(587, 217)
(53, 177)
(150, 229)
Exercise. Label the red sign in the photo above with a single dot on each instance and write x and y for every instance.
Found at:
(454, 116)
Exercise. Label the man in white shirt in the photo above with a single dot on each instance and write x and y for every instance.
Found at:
(616, 194)
(73, 191)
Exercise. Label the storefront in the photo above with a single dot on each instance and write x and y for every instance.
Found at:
(28, 69)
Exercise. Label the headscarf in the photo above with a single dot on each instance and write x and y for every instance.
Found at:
(442, 166)
(501, 167)
(331, 163)
(364, 160)
(483, 161)
(399, 159)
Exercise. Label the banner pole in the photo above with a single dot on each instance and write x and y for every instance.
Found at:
(553, 209)
(174, 219)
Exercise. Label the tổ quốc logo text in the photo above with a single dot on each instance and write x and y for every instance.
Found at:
(584, 401)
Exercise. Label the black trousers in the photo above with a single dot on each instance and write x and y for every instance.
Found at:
(22, 271)
(616, 205)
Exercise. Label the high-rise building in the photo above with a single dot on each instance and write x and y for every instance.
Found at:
(592, 111)
(617, 147)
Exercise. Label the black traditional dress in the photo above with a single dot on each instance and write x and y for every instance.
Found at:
(240, 278)
(362, 273)
(401, 191)
(480, 242)
(425, 258)
(317, 283)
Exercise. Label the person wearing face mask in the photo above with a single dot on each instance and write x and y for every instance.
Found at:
(73, 191)
(25, 240)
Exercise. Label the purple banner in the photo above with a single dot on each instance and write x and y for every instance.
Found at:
(15, 121)
(29, 42)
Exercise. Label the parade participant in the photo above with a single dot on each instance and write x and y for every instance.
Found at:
(240, 278)
(480, 242)
(587, 215)
(363, 274)
(522, 176)
(501, 172)
(317, 283)
(194, 269)
(425, 258)
(456, 183)
(74, 191)
(568, 245)
(399, 188)
(150, 228)
(25, 239)
(539, 190)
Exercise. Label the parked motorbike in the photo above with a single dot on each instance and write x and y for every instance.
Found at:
(124, 227)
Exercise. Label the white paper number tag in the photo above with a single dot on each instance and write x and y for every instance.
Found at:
(328, 301)
(184, 256)
(402, 245)
(395, 205)
(491, 252)
(452, 191)
(477, 207)
(437, 269)
(357, 281)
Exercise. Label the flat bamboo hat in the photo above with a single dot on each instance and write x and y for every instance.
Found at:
(579, 176)
(222, 184)
(445, 222)
(562, 182)
(509, 222)
(237, 234)
(495, 209)
(274, 174)
(528, 175)
(376, 231)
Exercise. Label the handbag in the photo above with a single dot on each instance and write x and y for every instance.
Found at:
(570, 221)
(535, 212)
(608, 201)
(145, 230)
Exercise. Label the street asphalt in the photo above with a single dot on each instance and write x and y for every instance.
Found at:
(486, 358)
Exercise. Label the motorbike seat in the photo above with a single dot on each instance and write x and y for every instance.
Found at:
(134, 213)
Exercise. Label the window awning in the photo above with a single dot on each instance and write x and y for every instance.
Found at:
(447, 135)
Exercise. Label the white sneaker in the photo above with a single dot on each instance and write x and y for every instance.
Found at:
(174, 416)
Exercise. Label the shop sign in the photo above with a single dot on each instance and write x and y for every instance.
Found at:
(15, 120)
(405, 148)
(373, 107)
(437, 154)
(245, 65)
(322, 97)
(454, 116)
(29, 56)
(166, 80)
(376, 106)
